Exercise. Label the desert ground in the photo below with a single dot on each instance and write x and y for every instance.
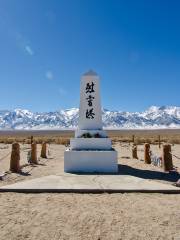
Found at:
(89, 216)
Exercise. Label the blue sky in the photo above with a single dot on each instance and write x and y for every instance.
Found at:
(46, 45)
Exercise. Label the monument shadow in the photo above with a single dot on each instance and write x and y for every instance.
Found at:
(148, 174)
(140, 173)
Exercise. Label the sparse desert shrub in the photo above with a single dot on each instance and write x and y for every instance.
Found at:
(9, 140)
(62, 141)
(174, 141)
(64, 137)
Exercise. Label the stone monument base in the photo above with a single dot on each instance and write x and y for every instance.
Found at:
(79, 133)
(90, 161)
(90, 144)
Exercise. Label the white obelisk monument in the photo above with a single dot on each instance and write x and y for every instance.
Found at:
(91, 150)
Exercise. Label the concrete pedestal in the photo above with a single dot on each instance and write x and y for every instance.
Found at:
(90, 161)
(90, 144)
(79, 133)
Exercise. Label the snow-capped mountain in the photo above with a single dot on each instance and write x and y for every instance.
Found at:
(154, 117)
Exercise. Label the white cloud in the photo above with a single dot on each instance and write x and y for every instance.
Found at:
(29, 50)
(49, 75)
(62, 91)
(24, 44)
(10, 29)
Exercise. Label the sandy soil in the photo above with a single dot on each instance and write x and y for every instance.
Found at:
(86, 216)
(55, 163)
(89, 216)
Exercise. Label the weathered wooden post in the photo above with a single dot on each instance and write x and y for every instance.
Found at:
(34, 153)
(31, 139)
(43, 150)
(159, 141)
(133, 137)
(167, 158)
(134, 152)
(15, 158)
(147, 157)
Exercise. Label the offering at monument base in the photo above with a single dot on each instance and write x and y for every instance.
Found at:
(91, 150)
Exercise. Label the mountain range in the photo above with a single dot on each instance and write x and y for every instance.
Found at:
(153, 117)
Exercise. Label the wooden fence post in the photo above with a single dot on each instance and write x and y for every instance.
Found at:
(43, 150)
(167, 158)
(31, 139)
(34, 153)
(147, 158)
(15, 158)
(133, 137)
(134, 152)
(159, 141)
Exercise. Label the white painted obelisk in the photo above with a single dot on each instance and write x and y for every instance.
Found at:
(90, 150)
(90, 117)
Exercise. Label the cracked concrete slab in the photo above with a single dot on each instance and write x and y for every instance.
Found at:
(89, 184)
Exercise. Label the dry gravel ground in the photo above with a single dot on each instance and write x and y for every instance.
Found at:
(89, 216)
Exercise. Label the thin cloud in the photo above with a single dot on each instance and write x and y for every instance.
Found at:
(62, 91)
(49, 75)
(10, 29)
(24, 44)
(29, 50)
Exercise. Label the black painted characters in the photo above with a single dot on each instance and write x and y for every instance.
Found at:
(90, 89)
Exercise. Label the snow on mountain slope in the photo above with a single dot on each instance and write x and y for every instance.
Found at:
(154, 117)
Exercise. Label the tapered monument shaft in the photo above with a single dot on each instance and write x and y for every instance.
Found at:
(90, 116)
